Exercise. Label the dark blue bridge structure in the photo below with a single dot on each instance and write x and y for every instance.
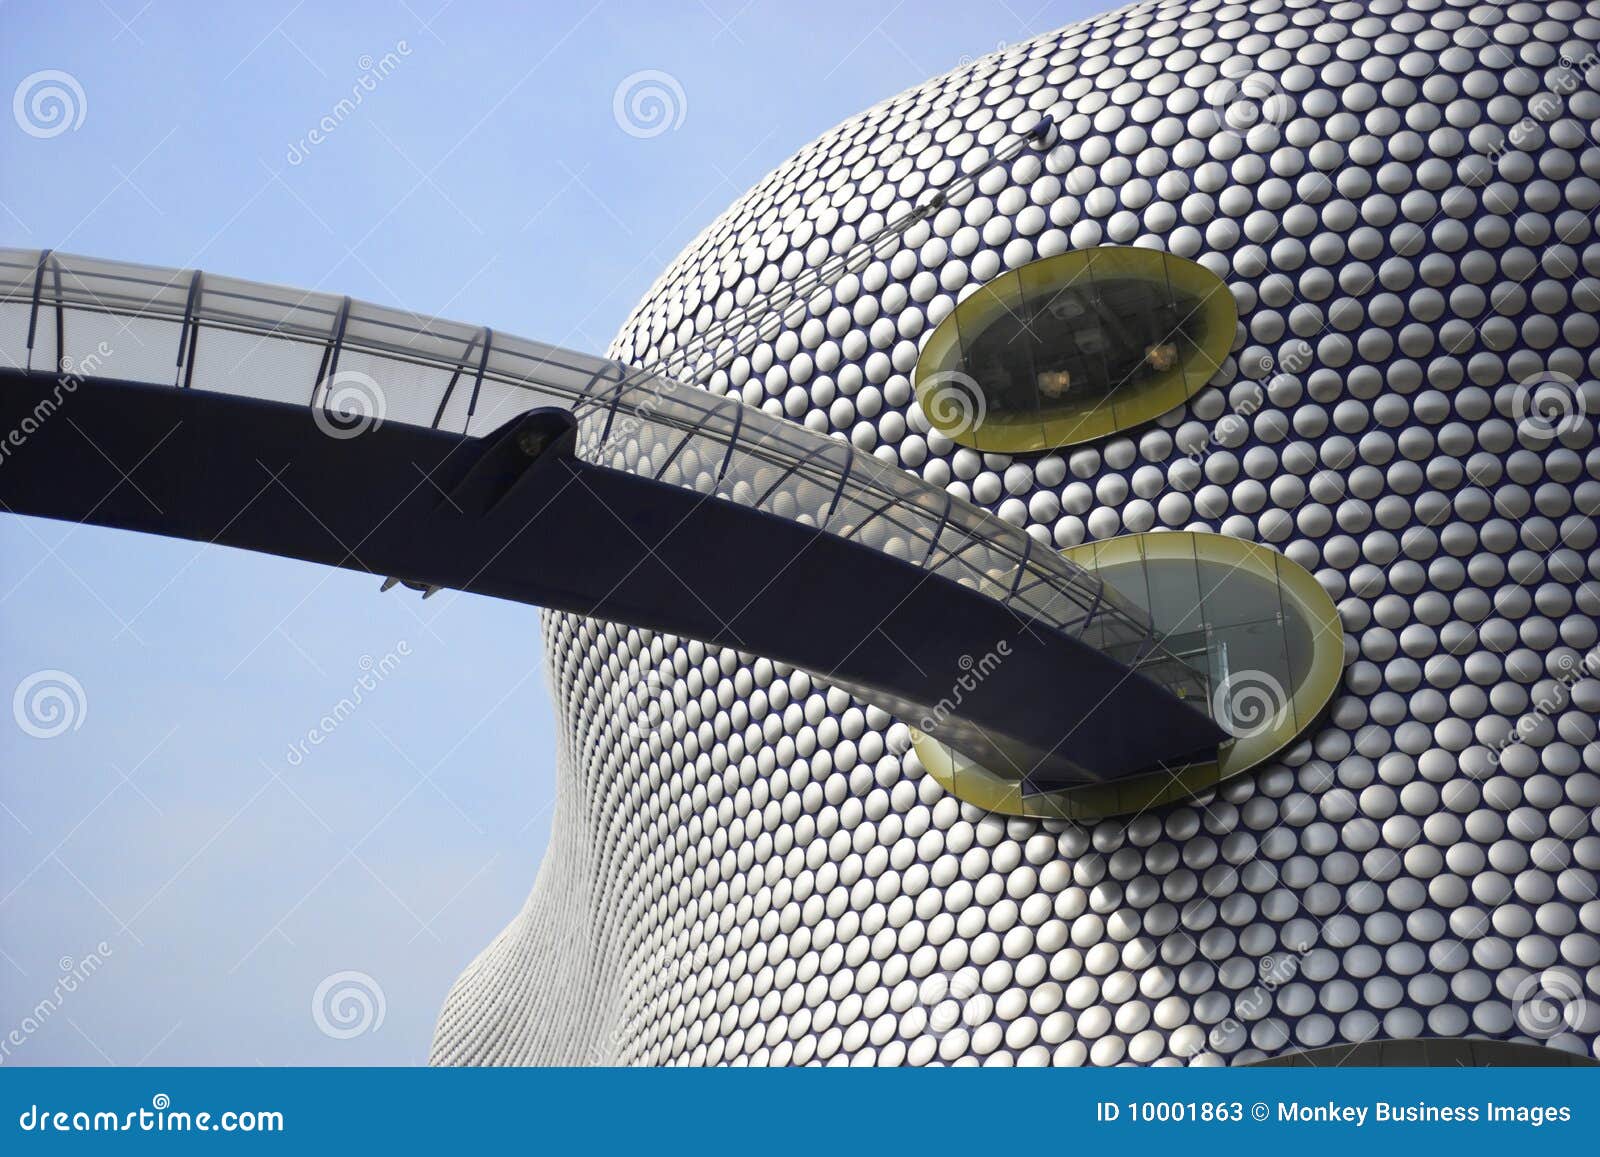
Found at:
(449, 456)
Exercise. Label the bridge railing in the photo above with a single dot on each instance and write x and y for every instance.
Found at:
(72, 315)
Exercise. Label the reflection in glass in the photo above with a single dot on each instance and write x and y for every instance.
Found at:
(1082, 343)
(1229, 623)
(1075, 346)
(1253, 639)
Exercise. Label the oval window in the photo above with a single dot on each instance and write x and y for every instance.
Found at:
(1261, 635)
(1074, 347)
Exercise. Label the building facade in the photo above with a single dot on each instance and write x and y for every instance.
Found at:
(748, 866)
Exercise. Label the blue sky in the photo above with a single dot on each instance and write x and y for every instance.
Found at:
(484, 178)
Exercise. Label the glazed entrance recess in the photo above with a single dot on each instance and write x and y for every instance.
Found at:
(1261, 637)
(1074, 347)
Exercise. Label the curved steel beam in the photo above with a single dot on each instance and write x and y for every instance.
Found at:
(515, 515)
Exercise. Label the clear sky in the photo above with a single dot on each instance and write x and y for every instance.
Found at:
(484, 177)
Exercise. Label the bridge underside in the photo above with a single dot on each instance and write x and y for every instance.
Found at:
(514, 515)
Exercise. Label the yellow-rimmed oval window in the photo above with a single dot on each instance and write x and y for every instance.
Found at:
(1074, 347)
(1263, 637)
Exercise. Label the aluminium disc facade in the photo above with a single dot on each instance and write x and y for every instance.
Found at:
(749, 867)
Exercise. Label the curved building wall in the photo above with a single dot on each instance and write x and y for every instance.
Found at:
(747, 866)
